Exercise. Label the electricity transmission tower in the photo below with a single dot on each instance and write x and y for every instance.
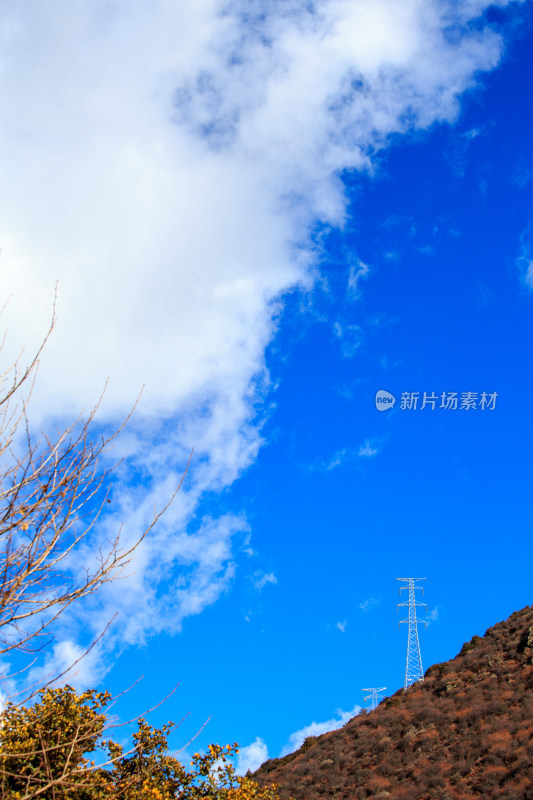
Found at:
(413, 663)
(374, 697)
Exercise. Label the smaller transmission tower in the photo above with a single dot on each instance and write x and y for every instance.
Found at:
(413, 663)
(374, 697)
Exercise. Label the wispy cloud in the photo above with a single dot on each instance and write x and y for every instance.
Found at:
(166, 163)
(73, 663)
(342, 626)
(483, 296)
(346, 456)
(522, 174)
(368, 605)
(262, 579)
(367, 450)
(358, 272)
(297, 738)
(525, 258)
(473, 133)
(251, 757)
(335, 461)
(459, 152)
(350, 336)
(527, 272)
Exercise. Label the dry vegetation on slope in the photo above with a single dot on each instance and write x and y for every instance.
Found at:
(465, 732)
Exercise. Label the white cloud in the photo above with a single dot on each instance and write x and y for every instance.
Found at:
(345, 456)
(251, 757)
(296, 739)
(165, 163)
(342, 625)
(261, 579)
(528, 275)
(367, 450)
(357, 272)
(70, 663)
(472, 133)
(525, 260)
(335, 461)
(8, 684)
(368, 605)
(350, 337)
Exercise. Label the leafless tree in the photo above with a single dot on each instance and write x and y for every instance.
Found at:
(54, 489)
(52, 493)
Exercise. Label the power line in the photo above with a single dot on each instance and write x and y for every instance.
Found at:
(413, 663)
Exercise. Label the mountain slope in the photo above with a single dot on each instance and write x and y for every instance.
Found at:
(465, 732)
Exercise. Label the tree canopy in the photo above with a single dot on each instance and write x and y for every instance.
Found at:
(45, 749)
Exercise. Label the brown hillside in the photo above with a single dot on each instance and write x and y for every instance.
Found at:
(465, 732)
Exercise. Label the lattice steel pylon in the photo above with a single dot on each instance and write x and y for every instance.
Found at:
(413, 663)
(374, 697)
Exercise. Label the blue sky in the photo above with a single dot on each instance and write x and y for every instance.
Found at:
(265, 243)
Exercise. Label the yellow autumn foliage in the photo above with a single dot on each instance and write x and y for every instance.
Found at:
(44, 753)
